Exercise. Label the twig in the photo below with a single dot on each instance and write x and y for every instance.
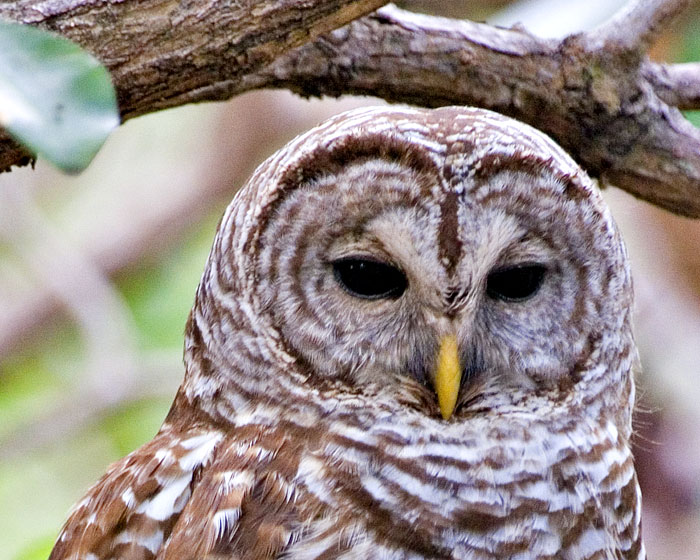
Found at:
(678, 85)
(637, 25)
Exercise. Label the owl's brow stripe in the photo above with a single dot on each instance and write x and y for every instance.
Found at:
(449, 243)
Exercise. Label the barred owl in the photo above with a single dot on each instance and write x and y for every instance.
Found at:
(411, 340)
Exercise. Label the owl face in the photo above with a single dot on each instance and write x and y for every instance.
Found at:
(374, 254)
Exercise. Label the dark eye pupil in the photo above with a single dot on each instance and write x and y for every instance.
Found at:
(369, 279)
(515, 283)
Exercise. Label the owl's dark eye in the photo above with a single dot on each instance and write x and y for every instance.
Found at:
(515, 283)
(369, 279)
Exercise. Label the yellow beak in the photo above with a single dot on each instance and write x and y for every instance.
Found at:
(448, 375)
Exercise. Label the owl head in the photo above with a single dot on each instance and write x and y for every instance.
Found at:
(440, 261)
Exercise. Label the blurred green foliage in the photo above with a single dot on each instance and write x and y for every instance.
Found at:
(159, 295)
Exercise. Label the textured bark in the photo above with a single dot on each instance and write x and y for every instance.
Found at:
(595, 93)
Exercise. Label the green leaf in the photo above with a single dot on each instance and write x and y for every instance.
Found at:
(55, 98)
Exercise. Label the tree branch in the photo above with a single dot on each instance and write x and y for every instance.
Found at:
(637, 25)
(678, 85)
(164, 54)
(594, 93)
(596, 104)
(411, 58)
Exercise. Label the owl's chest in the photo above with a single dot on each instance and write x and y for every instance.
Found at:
(408, 511)
(451, 500)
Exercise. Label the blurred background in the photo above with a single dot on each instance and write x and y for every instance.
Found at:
(98, 272)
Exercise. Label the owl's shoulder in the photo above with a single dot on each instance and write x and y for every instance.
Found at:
(201, 492)
(131, 510)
